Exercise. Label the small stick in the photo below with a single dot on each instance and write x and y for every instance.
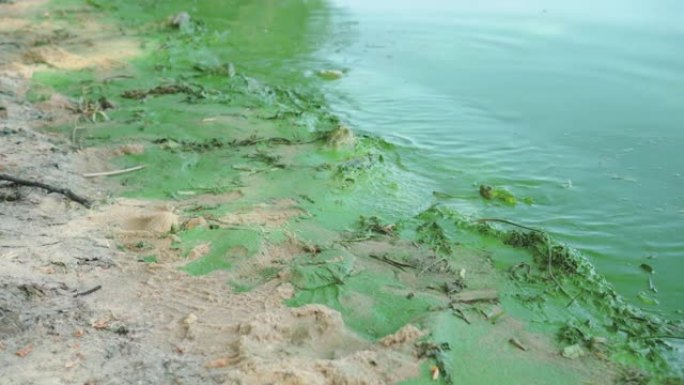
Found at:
(506, 221)
(27, 246)
(89, 291)
(66, 192)
(484, 295)
(110, 78)
(660, 337)
(515, 342)
(651, 285)
(397, 264)
(115, 172)
(459, 313)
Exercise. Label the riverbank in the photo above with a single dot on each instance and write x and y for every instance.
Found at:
(80, 307)
(238, 253)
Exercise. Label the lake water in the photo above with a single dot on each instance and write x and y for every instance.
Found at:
(577, 105)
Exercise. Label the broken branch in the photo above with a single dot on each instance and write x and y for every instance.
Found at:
(89, 291)
(66, 192)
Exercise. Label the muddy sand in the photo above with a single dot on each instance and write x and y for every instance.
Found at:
(77, 309)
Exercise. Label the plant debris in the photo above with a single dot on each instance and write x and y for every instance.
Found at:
(169, 89)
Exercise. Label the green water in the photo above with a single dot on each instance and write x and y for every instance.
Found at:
(199, 141)
(578, 105)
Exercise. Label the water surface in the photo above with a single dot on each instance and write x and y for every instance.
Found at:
(575, 104)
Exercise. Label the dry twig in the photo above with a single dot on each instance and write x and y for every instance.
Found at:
(66, 192)
(115, 172)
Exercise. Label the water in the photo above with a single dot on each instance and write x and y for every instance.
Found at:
(575, 104)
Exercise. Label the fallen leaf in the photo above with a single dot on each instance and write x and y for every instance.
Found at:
(23, 352)
(495, 314)
(190, 319)
(217, 363)
(434, 371)
(573, 351)
(647, 268)
(196, 222)
(79, 333)
(330, 74)
(101, 324)
(71, 364)
(221, 362)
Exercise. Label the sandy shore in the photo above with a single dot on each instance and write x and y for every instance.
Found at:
(77, 308)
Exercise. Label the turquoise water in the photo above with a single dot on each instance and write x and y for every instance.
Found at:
(575, 104)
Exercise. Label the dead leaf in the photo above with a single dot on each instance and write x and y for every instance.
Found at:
(434, 370)
(200, 222)
(100, 324)
(129, 149)
(221, 362)
(462, 273)
(329, 74)
(494, 314)
(647, 268)
(79, 333)
(23, 352)
(189, 320)
(573, 351)
(71, 364)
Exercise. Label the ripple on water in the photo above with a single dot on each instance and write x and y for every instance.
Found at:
(579, 108)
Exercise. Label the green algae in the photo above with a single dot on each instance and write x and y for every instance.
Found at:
(227, 247)
(214, 116)
(592, 304)
(371, 301)
(479, 355)
(499, 194)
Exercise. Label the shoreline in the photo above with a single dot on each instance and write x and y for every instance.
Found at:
(264, 245)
